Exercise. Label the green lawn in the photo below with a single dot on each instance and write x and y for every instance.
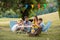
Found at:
(52, 34)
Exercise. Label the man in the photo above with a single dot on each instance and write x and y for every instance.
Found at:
(27, 24)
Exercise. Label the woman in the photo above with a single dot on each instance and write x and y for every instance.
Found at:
(36, 29)
(35, 24)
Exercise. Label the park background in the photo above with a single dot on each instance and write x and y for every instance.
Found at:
(46, 9)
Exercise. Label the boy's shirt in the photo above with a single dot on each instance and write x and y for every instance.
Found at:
(42, 25)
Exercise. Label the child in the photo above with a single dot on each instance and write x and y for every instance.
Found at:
(44, 27)
(40, 22)
(18, 26)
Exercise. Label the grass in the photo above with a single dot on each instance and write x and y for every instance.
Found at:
(52, 34)
(6, 21)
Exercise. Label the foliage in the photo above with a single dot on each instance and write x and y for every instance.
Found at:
(18, 4)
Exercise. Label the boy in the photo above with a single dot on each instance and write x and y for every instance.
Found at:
(40, 22)
(44, 27)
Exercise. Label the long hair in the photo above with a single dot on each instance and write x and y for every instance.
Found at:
(36, 19)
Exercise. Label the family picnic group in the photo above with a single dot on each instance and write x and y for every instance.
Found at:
(32, 28)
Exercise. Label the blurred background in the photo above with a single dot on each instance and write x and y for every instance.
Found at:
(30, 8)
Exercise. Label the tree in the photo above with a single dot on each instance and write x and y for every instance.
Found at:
(59, 7)
(16, 4)
(35, 2)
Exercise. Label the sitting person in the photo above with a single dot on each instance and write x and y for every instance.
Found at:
(44, 27)
(27, 24)
(18, 26)
(35, 22)
(36, 29)
(40, 22)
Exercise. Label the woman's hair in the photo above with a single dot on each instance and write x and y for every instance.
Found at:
(36, 18)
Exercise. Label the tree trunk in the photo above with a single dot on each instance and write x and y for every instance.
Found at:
(59, 7)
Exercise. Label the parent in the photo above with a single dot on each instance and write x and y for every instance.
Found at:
(36, 29)
(27, 25)
(35, 22)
